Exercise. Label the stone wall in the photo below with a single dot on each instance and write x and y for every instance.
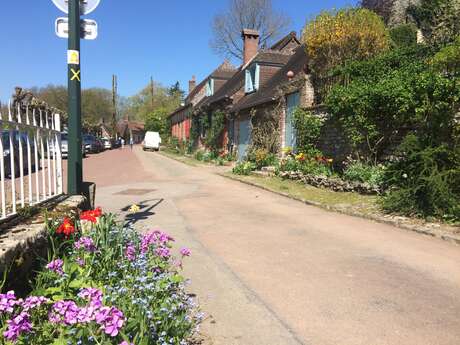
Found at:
(24, 245)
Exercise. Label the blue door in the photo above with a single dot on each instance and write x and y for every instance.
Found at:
(244, 138)
(292, 102)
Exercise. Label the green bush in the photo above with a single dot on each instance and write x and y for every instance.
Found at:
(425, 181)
(365, 173)
(404, 35)
(308, 129)
(307, 165)
(244, 168)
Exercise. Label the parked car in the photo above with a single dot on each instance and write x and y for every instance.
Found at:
(116, 143)
(7, 150)
(152, 141)
(107, 143)
(65, 146)
(91, 144)
(100, 145)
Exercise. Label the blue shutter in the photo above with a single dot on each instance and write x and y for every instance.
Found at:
(293, 101)
(257, 77)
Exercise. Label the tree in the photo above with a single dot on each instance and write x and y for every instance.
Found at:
(383, 8)
(334, 38)
(156, 121)
(246, 14)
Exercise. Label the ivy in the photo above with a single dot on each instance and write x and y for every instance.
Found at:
(214, 129)
(308, 129)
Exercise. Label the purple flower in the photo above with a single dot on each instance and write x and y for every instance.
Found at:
(185, 252)
(86, 243)
(130, 252)
(111, 320)
(80, 262)
(87, 314)
(154, 237)
(8, 301)
(163, 252)
(16, 326)
(93, 295)
(33, 302)
(64, 312)
(126, 343)
(56, 266)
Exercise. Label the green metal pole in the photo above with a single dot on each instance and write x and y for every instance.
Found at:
(75, 168)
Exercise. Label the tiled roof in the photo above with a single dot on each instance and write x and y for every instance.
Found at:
(285, 41)
(267, 92)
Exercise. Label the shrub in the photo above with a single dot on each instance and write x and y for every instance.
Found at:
(244, 168)
(361, 172)
(424, 181)
(308, 165)
(333, 38)
(404, 35)
(262, 158)
(308, 129)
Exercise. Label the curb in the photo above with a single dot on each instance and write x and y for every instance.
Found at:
(395, 223)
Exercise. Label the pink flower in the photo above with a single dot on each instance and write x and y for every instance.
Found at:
(20, 324)
(111, 320)
(80, 262)
(130, 252)
(33, 302)
(93, 295)
(163, 252)
(126, 343)
(56, 266)
(185, 252)
(8, 301)
(64, 312)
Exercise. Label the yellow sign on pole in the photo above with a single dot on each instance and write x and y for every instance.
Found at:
(73, 57)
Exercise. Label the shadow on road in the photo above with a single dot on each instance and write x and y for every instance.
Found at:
(144, 213)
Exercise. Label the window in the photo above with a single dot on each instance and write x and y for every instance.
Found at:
(210, 87)
(252, 78)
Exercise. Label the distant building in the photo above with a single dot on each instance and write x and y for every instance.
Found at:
(131, 129)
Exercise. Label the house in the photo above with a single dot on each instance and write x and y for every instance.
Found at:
(131, 129)
(181, 118)
(257, 69)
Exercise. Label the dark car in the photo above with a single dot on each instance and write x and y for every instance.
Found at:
(7, 150)
(91, 144)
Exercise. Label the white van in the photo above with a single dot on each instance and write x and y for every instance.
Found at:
(152, 141)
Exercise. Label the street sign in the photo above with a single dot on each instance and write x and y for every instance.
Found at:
(86, 6)
(88, 28)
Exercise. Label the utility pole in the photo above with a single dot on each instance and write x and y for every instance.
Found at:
(114, 105)
(75, 168)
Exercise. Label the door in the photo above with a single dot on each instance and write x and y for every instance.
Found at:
(292, 102)
(244, 138)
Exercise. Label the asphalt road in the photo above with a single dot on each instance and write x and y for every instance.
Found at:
(269, 270)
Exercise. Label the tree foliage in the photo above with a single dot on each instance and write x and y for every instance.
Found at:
(404, 35)
(333, 38)
(392, 94)
(383, 8)
(438, 19)
(157, 121)
(246, 14)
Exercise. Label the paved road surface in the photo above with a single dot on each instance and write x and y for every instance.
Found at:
(269, 270)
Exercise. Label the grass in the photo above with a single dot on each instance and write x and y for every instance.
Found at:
(351, 202)
(181, 158)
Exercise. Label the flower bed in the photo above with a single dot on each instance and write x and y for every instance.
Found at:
(103, 284)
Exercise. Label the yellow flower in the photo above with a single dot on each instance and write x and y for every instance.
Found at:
(134, 208)
(330, 160)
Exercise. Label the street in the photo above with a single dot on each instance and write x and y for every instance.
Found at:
(270, 270)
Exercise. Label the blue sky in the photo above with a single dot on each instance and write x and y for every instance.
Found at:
(168, 40)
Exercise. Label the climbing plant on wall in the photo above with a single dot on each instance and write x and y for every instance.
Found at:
(214, 129)
(308, 129)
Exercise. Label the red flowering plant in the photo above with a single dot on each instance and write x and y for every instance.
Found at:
(66, 228)
(90, 218)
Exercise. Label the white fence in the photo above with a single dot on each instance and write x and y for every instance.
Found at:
(31, 157)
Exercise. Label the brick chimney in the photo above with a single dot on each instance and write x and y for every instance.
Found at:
(251, 44)
(192, 84)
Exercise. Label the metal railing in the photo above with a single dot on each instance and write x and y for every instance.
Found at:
(31, 157)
